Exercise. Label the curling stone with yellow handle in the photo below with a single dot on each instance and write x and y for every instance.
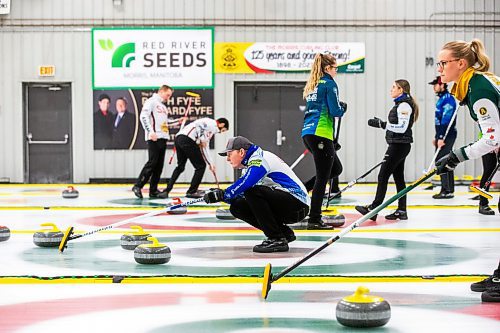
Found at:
(130, 240)
(363, 310)
(152, 254)
(48, 237)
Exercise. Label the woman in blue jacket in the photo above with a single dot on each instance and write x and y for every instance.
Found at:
(322, 106)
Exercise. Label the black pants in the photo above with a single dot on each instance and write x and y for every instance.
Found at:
(489, 164)
(394, 165)
(154, 166)
(269, 210)
(447, 179)
(324, 156)
(336, 170)
(186, 149)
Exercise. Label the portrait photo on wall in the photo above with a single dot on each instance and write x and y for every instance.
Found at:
(116, 115)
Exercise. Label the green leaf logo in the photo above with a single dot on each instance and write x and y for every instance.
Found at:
(106, 44)
(123, 55)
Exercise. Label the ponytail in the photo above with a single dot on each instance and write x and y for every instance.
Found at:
(321, 61)
(482, 59)
(473, 53)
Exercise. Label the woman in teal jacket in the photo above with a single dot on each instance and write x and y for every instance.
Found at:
(322, 106)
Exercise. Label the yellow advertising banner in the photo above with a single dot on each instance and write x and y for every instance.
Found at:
(268, 58)
(230, 58)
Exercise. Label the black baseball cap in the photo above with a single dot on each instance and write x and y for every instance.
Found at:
(236, 143)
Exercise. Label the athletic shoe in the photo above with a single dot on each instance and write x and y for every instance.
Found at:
(443, 195)
(195, 195)
(491, 295)
(365, 210)
(154, 194)
(318, 225)
(272, 245)
(137, 191)
(486, 210)
(163, 194)
(290, 238)
(397, 215)
(488, 283)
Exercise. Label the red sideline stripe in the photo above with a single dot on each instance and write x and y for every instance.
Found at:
(16, 316)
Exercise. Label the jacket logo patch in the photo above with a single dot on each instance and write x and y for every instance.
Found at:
(256, 163)
(483, 111)
(490, 130)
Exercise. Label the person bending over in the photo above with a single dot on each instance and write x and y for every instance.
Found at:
(267, 196)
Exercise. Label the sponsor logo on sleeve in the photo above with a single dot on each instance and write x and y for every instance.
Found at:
(255, 163)
(483, 111)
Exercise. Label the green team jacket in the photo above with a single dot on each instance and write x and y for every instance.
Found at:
(483, 102)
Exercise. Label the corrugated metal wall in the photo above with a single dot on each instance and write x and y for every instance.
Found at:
(399, 35)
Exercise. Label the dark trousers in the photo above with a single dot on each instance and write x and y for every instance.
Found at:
(447, 179)
(186, 149)
(154, 166)
(269, 210)
(336, 170)
(394, 165)
(324, 156)
(489, 164)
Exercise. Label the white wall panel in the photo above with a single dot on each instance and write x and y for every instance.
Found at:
(398, 34)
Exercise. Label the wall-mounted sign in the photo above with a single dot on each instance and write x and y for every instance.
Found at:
(47, 70)
(285, 57)
(127, 132)
(4, 6)
(147, 58)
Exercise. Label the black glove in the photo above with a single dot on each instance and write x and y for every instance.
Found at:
(343, 105)
(377, 123)
(336, 145)
(214, 196)
(447, 163)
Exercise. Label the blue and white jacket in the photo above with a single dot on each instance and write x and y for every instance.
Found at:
(445, 108)
(267, 169)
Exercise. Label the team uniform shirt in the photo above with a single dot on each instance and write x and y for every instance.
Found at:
(322, 105)
(445, 109)
(400, 121)
(201, 131)
(154, 117)
(483, 100)
(267, 169)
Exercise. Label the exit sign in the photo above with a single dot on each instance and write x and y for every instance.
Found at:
(46, 70)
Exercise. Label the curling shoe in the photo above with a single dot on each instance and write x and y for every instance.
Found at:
(443, 195)
(271, 245)
(486, 210)
(195, 195)
(491, 295)
(397, 215)
(365, 210)
(492, 281)
(318, 224)
(137, 191)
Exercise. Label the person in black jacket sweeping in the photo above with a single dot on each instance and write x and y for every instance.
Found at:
(398, 134)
